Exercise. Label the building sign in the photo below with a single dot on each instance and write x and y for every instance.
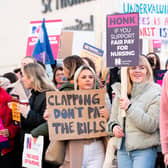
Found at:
(60, 4)
(82, 25)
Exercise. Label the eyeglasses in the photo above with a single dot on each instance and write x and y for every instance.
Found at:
(60, 74)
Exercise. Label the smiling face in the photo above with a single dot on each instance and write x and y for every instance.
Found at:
(86, 80)
(59, 75)
(138, 73)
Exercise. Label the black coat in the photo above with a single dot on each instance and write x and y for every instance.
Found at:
(37, 103)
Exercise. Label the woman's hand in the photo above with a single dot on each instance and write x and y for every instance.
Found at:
(124, 103)
(104, 113)
(4, 132)
(23, 109)
(118, 132)
(46, 114)
(166, 159)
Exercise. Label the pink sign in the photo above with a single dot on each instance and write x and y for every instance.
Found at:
(123, 20)
(54, 31)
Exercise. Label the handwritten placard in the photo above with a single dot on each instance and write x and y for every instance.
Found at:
(75, 114)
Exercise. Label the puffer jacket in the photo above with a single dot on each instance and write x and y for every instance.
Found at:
(142, 118)
(6, 117)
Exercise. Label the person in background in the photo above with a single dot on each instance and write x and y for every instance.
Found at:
(7, 130)
(70, 65)
(18, 87)
(166, 64)
(58, 76)
(11, 76)
(86, 153)
(154, 61)
(114, 76)
(18, 73)
(4, 82)
(136, 136)
(36, 79)
(164, 118)
(89, 62)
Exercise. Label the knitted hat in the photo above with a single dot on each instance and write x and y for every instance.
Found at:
(78, 71)
(4, 82)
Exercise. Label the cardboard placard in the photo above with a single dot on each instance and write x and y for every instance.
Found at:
(75, 114)
(95, 54)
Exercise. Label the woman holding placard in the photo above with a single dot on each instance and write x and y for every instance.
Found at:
(136, 136)
(36, 79)
(86, 153)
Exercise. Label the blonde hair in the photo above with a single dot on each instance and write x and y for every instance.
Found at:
(38, 76)
(149, 75)
(79, 70)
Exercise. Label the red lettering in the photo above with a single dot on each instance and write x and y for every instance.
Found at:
(147, 31)
(166, 21)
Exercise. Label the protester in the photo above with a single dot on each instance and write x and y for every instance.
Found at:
(154, 61)
(164, 118)
(18, 73)
(166, 65)
(114, 76)
(58, 76)
(7, 130)
(11, 76)
(35, 78)
(18, 87)
(89, 62)
(4, 82)
(136, 136)
(86, 153)
(70, 65)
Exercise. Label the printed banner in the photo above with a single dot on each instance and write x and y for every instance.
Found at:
(32, 152)
(54, 31)
(75, 114)
(153, 18)
(15, 112)
(122, 40)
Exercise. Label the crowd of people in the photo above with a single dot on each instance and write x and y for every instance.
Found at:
(140, 138)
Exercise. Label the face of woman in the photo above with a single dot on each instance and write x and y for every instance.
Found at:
(26, 81)
(85, 80)
(59, 75)
(138, 73)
